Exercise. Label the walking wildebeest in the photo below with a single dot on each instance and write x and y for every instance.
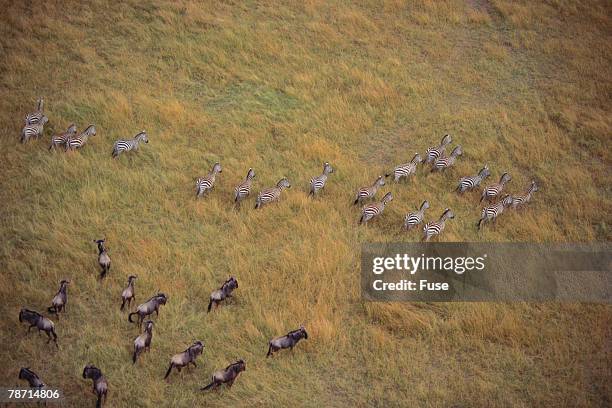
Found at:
(100, 385)
(148, 307)
(58, 303)
(128, 293)
(227, 376)
(40, 322)
(289, 340)
(143, 341)
(103, 258)
(186, 357)
(223, 292)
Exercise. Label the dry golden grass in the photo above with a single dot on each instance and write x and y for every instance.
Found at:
(282, 87)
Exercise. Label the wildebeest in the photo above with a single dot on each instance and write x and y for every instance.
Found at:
(31, 377)
(227, 376)
(100, 385)
(40, 322)
(223, 292)
(289, 340)
(128, 293)
(58, 303)
(143, 342)
(103, 258)
(148, 307)
(186, 357)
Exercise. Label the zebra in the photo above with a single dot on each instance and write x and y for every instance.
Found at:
(405, 170)
(522, 199)
(491, 212)
(272, 194)
(62, 139)
(372, 210)
(243, 189)
(35, 117)
(369, 192)
(79, 141)
(206, 183)
(415, 218)
(434, 152)
(130, 144)
(437, 227)
(494, 190)
(470, 183)
(442, 163)
(33, 130)
(317, 183)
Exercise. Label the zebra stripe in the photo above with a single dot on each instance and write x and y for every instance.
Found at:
(317, 183)
(130, 144)
(491, 212)
(406, 169)
(470, 183)
(437, 227)
(34, 130)
(524, 198)
(35, 117)
(79, 141)
(494, 190)
(269, 195)
(435, 152)
(373, 210)
(243, 189)
(369, 192)
(442, 163)
(206, 183)
(415, 218)
(62, 139)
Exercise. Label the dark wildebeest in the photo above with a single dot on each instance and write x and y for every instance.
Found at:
(143, 342)
(128, 293)
(100, 385)
(31, 377)
(103, 258)
(148, 307)
(40, 322)
(185, 358)
(223, 292)
(58, 303)
(227, 376)
(289, 340)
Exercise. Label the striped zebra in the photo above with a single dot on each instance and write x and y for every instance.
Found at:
(35, 117)
(206, 183)
(62, 139)
(375, 209)
(470, 183)
(491, 212)
(317, 183)
(268, 195)
(369, 192)
(76, 142)
(437, 227)
(121, 146)
(442, 163)
(494, 190)
(406, 169)
(243, 189)
(415, 218)
(34, 130)
(522, 199)
(434, 152)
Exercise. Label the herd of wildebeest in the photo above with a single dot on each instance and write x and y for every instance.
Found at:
(435, 157)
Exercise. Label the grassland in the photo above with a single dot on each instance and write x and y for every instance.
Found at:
(281, 87)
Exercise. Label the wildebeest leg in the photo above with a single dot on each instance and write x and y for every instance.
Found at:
(194, 363)
(32, 325)
(123, 304)
(230, 383)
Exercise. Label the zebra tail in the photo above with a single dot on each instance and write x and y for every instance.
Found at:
(356, 201)
(361, 220)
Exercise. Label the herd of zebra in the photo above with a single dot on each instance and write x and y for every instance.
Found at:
(435, 157)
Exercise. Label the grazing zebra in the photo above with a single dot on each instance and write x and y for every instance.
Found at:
(76, 142)
(437, 227)
(442, 163)
(522, 199)
(62, 139)
(470, 183)
(415, 218)
(437, 151)
(206, 183)
(272, 194)
(243, 189)
(369, 192)
(491, 212)
(35, 117)
(405, 170)
(130, 144)
(317, 183)
(494, 190)
(372, 210)
(33, 130)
